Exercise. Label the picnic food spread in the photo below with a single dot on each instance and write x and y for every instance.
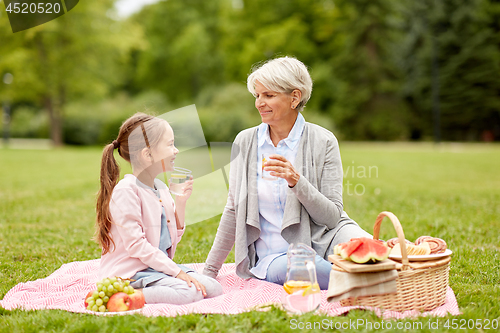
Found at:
(424, 245)
(414, 277)
(114, 295)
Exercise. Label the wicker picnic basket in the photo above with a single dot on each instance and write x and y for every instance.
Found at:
(420, 285)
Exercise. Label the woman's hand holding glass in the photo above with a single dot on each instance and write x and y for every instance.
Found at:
(280, 167)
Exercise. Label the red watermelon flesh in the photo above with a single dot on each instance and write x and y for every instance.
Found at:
(349, 247)
(370, 250)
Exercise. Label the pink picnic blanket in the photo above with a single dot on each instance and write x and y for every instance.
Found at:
(66, 288)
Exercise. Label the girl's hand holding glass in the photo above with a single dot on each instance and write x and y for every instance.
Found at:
(181, 183)
(185, 191)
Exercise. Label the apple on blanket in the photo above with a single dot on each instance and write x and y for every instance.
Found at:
(114, 295)
(124, 302)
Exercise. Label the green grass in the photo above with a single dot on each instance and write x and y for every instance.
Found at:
(450, 191)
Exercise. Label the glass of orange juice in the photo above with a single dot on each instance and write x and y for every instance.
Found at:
(266, 174)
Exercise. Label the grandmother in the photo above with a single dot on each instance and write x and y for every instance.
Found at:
(262, 217)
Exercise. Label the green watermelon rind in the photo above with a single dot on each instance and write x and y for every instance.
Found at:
(370, 246)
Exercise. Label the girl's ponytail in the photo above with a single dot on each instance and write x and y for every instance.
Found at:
(110, 172)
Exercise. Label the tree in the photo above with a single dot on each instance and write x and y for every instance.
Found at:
(182, 56)
(76, 56)
(462, 39)
(366, 103)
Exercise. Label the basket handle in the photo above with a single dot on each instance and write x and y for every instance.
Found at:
(399, 231)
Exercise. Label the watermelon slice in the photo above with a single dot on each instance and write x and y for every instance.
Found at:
(342, 247)
(350, 247)
(371, 250)
(337, 249)
(363, 250)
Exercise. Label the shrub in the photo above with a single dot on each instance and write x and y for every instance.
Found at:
(98, 123)
(28, 122)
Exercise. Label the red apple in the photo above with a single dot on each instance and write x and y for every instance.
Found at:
(88, 295)
(137, 300)
(119, 302)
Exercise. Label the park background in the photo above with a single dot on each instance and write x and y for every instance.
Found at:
(391, 79)
(382, 69)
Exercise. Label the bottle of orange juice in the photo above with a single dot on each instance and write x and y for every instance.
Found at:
(301, 289)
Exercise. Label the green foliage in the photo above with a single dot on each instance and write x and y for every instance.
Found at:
(463, 37)
(371, 61)
(28, 122)
(225, 111)
(366, 101)
(91, 123)
(182, 55)
(348, 46)
(381, 68)
(88, 122)
(77, 56)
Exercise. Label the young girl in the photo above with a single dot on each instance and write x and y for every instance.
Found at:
(138, 224)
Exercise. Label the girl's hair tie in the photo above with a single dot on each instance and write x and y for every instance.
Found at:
(116, 144)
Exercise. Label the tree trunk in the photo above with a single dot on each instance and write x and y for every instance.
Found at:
(55, 117)
(49, 99)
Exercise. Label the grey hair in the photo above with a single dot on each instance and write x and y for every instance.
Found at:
(282, 75)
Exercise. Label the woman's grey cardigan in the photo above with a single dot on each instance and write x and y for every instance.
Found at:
(313, 211)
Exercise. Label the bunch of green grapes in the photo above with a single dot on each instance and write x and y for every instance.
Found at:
(98, 299)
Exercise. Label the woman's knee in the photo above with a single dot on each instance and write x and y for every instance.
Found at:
(276, 272)
(348, 231)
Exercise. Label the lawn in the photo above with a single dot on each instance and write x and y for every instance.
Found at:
(451, 191)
